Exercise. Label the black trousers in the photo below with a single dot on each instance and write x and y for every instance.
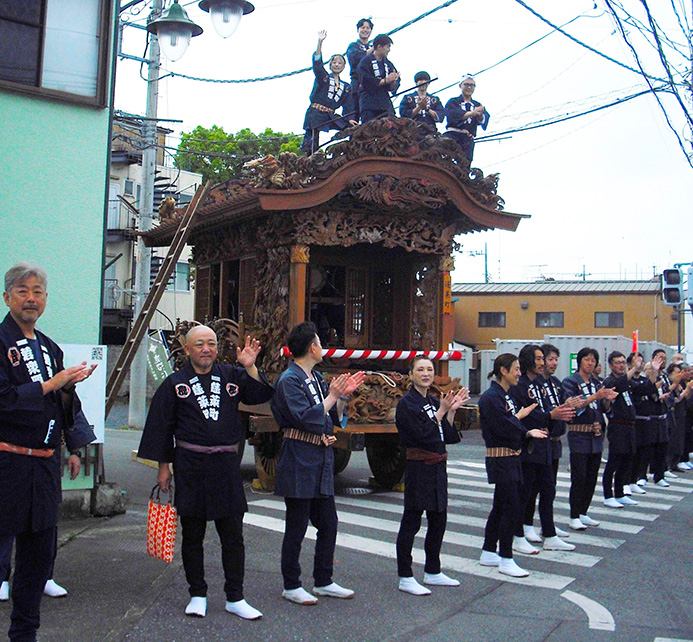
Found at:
(33, 563)
(6, 546)
(655, 456)
(538, 479)
(321, 512)
(408, 528)
(584, 470)
(677, 438)
(616, 473)
(230, 530)
(372, 114)
(503, 518)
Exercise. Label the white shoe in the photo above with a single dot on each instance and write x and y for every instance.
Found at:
(197, 607)
(576, 524)
(521, 545)
(627, 501)
(557, 544)
(4, 591)
(663, 483)
(51, 589)
(588, 521)
(507, 566)
(439, 579)
(531, 534)
(688, 465)
(299, 596)
(637, 490)
(683, 466)
(333, 590)
(626, 490)
(410, 585)
(244, 610)
(669, 475)
(642, 482)
(561, 533)
(489, 559)
(612, 502)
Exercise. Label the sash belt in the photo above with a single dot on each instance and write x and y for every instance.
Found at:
(596, 428)
(501, 451)
(21, 450)
(302, 435)
(426, 456)
(639, 418)
(322, 108)
(207, 450)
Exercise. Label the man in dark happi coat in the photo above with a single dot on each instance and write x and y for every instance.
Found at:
(38, 408)
(425, 425)
(585, 435)
(355, 53)
(306, 410)
(379, 79)
(420, 106)
(329, 94)
(464, 115)
(193, 422)
(621, 429)
(537, 454)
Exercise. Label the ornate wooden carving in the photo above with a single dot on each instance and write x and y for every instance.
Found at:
(446, 264)
(300, 254)
(385, 137)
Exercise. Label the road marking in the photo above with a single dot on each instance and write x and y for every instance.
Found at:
(608, 525)
(636, 513)
(460, 468)
(451, 537)
(449, 562)
(470, 520)
(598, 616)
(671, 640)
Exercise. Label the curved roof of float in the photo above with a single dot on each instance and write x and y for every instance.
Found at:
(385, 166)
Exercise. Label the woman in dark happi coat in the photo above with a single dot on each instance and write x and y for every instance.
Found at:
(504, 435)
(425, 425)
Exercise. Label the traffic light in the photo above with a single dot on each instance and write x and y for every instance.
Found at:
(672, 286)
(689, 286)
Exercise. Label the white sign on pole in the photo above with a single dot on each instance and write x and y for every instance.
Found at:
(92, 392)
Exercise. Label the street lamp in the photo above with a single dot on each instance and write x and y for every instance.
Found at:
(226, 14)
(174, 30)
(171, 29)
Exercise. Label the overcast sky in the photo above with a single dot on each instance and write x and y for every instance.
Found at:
(610, 191)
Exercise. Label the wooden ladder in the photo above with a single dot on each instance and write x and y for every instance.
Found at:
(141, 323)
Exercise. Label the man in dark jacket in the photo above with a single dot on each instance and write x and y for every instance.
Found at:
(38, 407)
(379, 79)
(193, 421)
(307, 410)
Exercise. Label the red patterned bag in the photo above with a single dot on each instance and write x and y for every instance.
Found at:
(162, 523)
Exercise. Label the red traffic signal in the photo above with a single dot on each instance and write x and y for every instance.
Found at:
(672, 286)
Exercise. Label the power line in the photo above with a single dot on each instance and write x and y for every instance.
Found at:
(647, 80)
(288, 74)
(582, 44)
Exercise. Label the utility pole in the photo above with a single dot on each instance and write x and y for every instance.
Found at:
(143, 256)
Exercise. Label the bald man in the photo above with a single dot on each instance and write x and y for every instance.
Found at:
(193, 421)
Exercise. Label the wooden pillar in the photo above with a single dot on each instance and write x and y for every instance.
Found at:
(447, 325)
(300, 257)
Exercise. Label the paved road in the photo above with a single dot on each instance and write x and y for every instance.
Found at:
(628, 580)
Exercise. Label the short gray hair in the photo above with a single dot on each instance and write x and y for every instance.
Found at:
(21, 272)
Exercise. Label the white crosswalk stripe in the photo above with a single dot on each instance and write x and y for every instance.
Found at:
(369, 524)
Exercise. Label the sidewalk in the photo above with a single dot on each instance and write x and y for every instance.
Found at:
(117, 592)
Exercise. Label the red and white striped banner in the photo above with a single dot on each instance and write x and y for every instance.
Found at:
(403, 355)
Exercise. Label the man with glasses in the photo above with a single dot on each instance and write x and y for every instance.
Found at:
(464, 115)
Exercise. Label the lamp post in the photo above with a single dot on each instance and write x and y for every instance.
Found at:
(170, 34)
